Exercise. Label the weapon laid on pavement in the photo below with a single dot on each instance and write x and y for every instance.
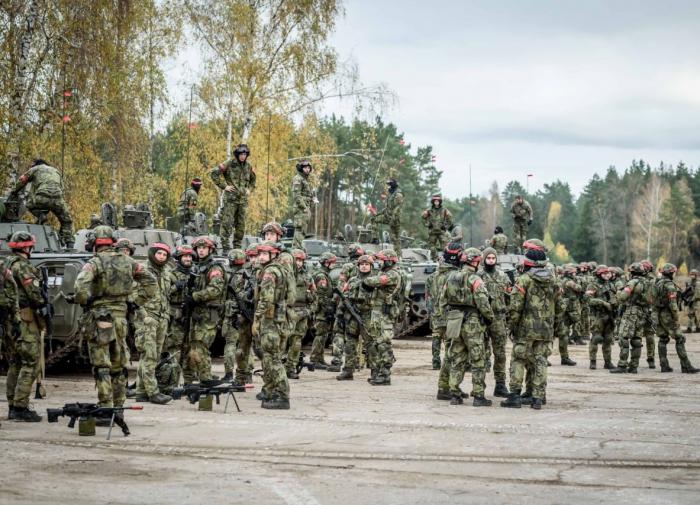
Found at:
(301, 364)
(86, 411)
(195, 392)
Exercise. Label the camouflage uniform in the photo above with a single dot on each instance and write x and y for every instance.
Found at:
(391, 216)
(303, 309)
(175, 342)
(102, 288)
(348, 271)
(238, 293)
(47, 195)
(572, 293)
(500, 243)
(635, 298)
(602, 299)
(234, 204)
(650, 329)
(522, 217)
(438, 220)
(693, 304)
(325, 308)
(438, 323)
(187, 208)
(10, 322)
(302, 200)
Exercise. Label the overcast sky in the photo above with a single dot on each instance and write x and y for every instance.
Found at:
(560, 89)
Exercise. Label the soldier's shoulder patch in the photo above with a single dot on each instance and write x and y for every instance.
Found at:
(383, 280)
(88, 267)
(476, 284)
(28, 280)
(672, 296)
(24, 178)
(223, 168)
(520, 289)
(139, 267)
(8, 274)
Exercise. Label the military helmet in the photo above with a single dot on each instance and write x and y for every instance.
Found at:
(601, 269)
(272, 226)
(694, 272)
(436, 197)
(104, 235)
(388, 256)
(298, 254)
(270, 247)
(355, 251)
(534, 243)
(647, 265)
(182, 250)
(240, 149)
(535, 258)
(365, 258)
(498, 229)
(452, 252)
(196, 181)
(619, 271)
(125, 243)
(21, 239)
(327, 257)
(471, 256)
(302, 164)
(252, 250)
(669, 269)
(155, 247)
(236, 257)
(203, 241)
(636, 268)
(391, 181)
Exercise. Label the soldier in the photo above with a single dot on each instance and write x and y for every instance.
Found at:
(450, 264)
(666, 298)
(572, 292)
(187, 207)
(103, 287)
(244, 358)
(438, 220)
(633, 324)
(522, 219)
(125, 246)
(152, 327)
(47, 196)
(23, 358)
(269, 324)
(325, 308)
(535, 313)
(498, 286)
(176, 344)
(385, 287)
(303, 198)
(236, 178)
(237, 306)
(650, 329)
(499, 241)
(206, 302)
(692, 302)
(466, 302)
(10, 322)
(391, 214)
(601, 295)
(303, 309)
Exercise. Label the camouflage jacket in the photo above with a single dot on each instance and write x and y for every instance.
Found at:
(385, 286)
(46, 181)
(434, 285)
(27, 280)
(210, 286)
(324, 291)
(535, 306)
(465, 290)
(271, 295)
(572, 292)
(302, 194)
(392, 208)
(347, 272)
(359, 294)
(666, 295)
(498, 285)
(437, 220)
(239, 289)
(179, 276)
(634, 296)
(500, 243)
(156, 302)
(305, 291)
(601, 297)
(9, 297)
(521, 211)
(286, 262)
(239, 175)
(187, 207)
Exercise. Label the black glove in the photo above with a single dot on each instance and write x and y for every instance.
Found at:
(70, 299)
(16, 329)
(181, 284)
(189, 300)
(529, 222)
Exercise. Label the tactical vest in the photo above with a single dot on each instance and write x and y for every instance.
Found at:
(539, 310)
(115, 275)
(458, 291)
(660, 293)
(47, 182)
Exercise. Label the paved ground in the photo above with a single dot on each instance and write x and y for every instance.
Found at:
(602, 438)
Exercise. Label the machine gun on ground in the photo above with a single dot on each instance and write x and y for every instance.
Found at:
(207, 389)
(87, 412)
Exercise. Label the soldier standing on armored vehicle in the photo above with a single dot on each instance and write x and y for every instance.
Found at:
(187, 207)
(602, 299)
(236, 178)
(103, 288)
(303, 309)
(325, 308)
(302, 199)
(47, 196)
(499, 241)
(522, 219)
(391, 214)
(438, 220)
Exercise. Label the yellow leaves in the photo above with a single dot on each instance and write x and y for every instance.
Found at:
(560, 254)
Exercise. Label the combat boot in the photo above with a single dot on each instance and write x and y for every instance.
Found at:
(500, 390)
(291, 374)
(372, 376)
(480, 401)
(651, 363)
(262, 395)
(160, 399)
(275, 403)
(526, 398)
(568, 362)
(665, 368)
(536, 403)
(689, 369)
(228, 377)
(513, 401)
(619, 369)
(141, 397)
(11, 413)
(381, 380)
(26, 415)
(444, 394)
(608, 365)
(631, 370)
(321, 365)
(688, 330)
(345, 375)
(456, 400)
(333, 368)
(592, 365)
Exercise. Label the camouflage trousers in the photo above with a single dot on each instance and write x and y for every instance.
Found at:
(231, 334)
(150, 337)
(23, 364)
(352, 348)
(301, 224)
(466, 336)
(379, 349)
(444, 377)
(197, 365)
(175, 343)
(274, 374)
(650, 342)
(244, 362)
(323, 329)
(496, 333)
(669, 328)
(295, 338)
(232, 222)
(338, 344)
(436, 243)
(438, 337)
(530, 356)
(519, 232)
(693, 316)
(109, 363)
(630, 332)
(572, 329)
(583, 325)
(59, 208)
(602, 331)
(395, 236)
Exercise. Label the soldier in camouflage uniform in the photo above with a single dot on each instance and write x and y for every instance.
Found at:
(666, 300)
(187, 207)
(302, 199)
(498, 286)
(244, 358)
(499, 241)
(535, 313)
(10, 322)
(650, 329)
(572, 292)
(47, 196)
(437, 319)
(24, 348)
(385, 286)
(206, 302)
(636, 300)
(152, 326)
(325, 308)
(269, 324)
(302, 308)
(603, 301)
(692, 303)
(438, 220)
(450, 263)
(391, 214)
(465, 301)
(103, 288)
(236, 178)
(237, 303)
(522, 219)
(582, 331)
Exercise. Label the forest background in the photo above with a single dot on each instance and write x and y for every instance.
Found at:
(85, 89)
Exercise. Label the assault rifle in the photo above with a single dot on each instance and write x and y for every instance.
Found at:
(358, 319)
(301, 364)
(243, 305)
(216, 388)
(687, 296)
(87, 410)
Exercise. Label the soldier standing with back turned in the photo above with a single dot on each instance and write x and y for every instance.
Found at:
(522, 219)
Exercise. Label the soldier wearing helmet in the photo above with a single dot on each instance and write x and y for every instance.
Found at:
(438, 220)
(270, 325)
(25, 346)
(391, 214)
(205, 302)
(126, 246)
(10, 322)
(499, 241)
(305, 297)
(572, 291)
(46, 195)
(103, 288)
(666, 300)
(435, 284)
(522, 219)
(303, 198)
(691, 296)
(187, 207)
(325, 308)
(601, 295)
(236, 179)
(582, 330)
(152, 326)
(652, 316)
